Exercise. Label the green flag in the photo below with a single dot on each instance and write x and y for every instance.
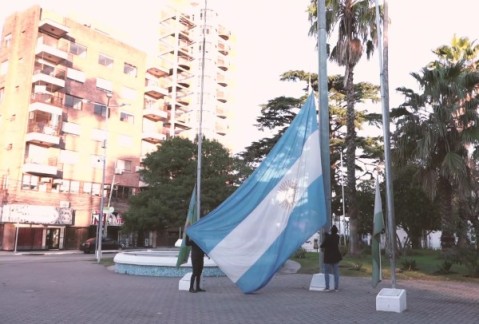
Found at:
(378, 228)
(190, 220)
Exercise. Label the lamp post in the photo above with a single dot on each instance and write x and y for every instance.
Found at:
(99, 233)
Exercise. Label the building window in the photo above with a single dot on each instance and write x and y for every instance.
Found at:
(78, 49)
(4, 67)
(69, 157)
(76, 75)
(122, 192)
(71, 128)
(105, 60)
(75, 186)
(7, 40)
(127, 118)
(123, 165)
(30, 182)
(129, 69)
(95, 189)
(99, 109)
(65, 186)
(104, 84)
(87, 187)
(73, 102)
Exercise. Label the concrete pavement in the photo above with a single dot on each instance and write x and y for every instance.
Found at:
(46, 289)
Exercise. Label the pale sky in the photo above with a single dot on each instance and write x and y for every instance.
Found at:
(272, 37)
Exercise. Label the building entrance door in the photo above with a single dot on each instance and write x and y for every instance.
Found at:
(53, 238)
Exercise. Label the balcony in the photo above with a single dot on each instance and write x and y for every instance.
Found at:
(223, 48)
(44, 125)
(221, 128)
(50, 52)
(41, 168)
(221, 80)
(153, 137)
(221, 112)
(220, 96)
(223, 64)
(43, 134)
(53, 28)
(53, 79)
(153, 89)
(224, 33)
(180, 125)
(157, 68)
(155, 113)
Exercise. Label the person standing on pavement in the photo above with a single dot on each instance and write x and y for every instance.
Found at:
(332, 256)
(197, 262)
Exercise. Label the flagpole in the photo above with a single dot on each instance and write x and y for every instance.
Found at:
(384, 79)
(323, 114)
(200, 122)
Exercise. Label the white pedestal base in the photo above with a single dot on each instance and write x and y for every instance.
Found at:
(318, 282)
(184, 283)
(391, 300)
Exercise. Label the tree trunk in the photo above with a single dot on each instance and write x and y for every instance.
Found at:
(351, 162)
(447, 218)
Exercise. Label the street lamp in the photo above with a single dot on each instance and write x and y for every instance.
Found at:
(99, 233)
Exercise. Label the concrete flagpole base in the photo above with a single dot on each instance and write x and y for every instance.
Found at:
(318, 282)
(184, 283)
(391, 300)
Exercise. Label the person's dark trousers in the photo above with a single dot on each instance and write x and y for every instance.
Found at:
(197, 260)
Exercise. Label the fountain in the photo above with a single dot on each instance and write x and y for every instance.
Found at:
(159, 263)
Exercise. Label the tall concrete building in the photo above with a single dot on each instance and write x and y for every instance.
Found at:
(79, 109)
(196, 46)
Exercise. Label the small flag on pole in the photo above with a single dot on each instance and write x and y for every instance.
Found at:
(253, 233)
(190, 220)
(378, 228)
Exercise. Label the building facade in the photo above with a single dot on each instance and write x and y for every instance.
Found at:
(197, 47)
(79, 109)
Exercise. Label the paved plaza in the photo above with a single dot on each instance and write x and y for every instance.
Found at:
(45, 290)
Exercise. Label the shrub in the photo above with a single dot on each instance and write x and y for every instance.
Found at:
(300, 254)
(445, 267)
(409, 265)
(469, 257)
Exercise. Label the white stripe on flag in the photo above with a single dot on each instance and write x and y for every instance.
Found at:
(246, 243)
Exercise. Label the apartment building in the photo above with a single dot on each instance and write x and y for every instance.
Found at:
(197, 47)
(79, 109)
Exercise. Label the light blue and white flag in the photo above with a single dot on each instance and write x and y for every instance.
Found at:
(255, 230)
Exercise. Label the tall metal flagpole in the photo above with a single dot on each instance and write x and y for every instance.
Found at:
(323, 110)
(384, 79)
(200, 122)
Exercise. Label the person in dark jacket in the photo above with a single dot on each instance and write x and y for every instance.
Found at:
(332, 256)
(197, 262)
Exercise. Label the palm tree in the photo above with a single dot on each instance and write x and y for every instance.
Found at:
(355, 23)
(437, 128)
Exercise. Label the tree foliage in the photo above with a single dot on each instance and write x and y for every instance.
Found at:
(170, 175)
(354, 22)
(436, 128)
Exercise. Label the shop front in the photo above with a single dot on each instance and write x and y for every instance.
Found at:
(34, 227)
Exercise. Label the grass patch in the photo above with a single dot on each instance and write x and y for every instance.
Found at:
(417, 264)
(107, 262)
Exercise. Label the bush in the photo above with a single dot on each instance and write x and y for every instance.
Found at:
(445, 267)
(409, 265)
(469, 257)
(300, 254)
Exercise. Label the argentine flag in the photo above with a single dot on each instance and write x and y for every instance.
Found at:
(282, 204)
